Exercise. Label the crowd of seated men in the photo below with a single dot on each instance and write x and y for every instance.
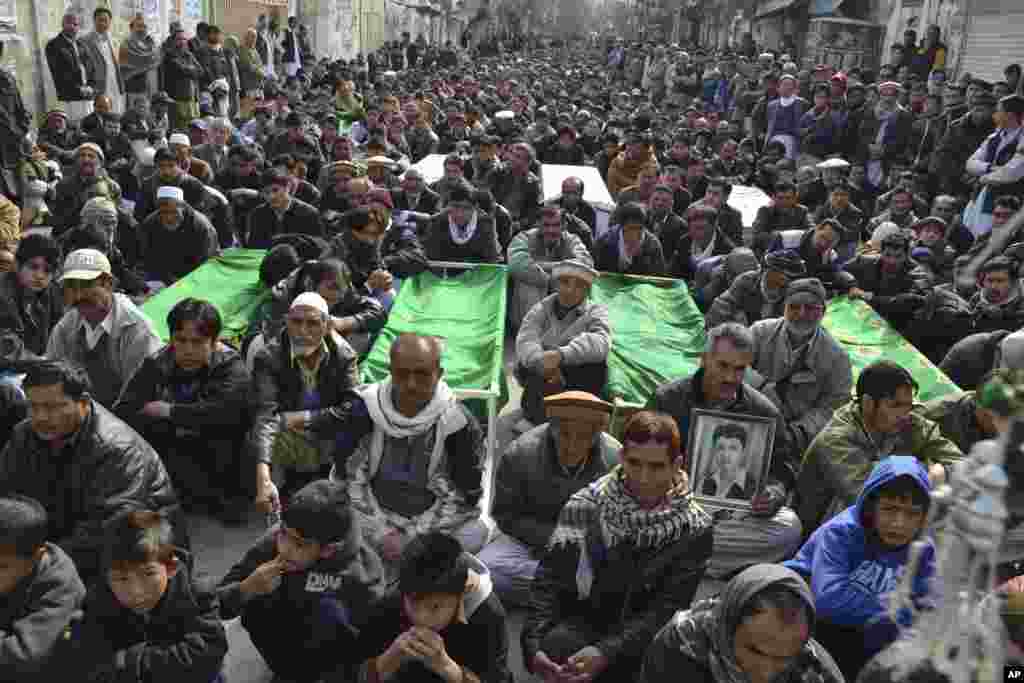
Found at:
(379, 562)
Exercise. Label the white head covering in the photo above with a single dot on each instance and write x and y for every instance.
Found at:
(170, 192)
(312, 300)
(179, 139)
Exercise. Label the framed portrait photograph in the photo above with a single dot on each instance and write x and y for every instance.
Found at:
(730, 455)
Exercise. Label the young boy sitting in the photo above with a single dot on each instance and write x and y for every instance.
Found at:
(303, 590)
(39, 591)
(856, 559)
(145, 619)
(445, 624)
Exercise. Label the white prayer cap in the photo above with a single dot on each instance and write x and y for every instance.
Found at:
(834, 163)
(179, 139)
(170, 192)
(311, 300)
(505, 114)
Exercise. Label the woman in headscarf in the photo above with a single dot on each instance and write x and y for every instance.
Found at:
(757, 630)
(627, 552)
(140, 58)
(250, 73)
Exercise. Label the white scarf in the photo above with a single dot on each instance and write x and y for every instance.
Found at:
(456, 231)
(379, 403)
(787, 101)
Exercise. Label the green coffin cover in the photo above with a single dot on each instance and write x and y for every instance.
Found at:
(466, 310)
(867, 337)
(231, 282)
(657, 334)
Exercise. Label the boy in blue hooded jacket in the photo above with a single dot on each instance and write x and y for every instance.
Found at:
(855, 560)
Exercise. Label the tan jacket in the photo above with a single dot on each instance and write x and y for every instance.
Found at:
(10, 223)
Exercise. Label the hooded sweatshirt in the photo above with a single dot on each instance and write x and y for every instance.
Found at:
(480, 643)
(852, 573)
(698, 645)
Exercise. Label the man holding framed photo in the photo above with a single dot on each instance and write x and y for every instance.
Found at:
(729, 478)
(771, 532)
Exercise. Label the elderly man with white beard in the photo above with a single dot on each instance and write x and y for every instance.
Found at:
(301, 398)
(799, 366)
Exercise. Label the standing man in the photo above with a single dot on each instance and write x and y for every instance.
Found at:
(104, 70)
(139, 59)
(292, 53)
(66, 59)
(182, 72)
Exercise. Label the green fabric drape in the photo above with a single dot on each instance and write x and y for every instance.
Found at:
(231, 282)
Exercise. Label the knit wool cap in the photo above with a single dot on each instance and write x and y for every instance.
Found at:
(787, 262)
(806, 291)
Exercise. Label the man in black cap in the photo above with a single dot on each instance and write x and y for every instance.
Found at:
(961, 140)
(998, 162)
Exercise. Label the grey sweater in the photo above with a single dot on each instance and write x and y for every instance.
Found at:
(583, 336)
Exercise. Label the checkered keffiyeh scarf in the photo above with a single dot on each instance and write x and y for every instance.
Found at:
(607, 508)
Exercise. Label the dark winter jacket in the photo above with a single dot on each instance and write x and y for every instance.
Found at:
(264, 224)
(351, 579)
(480, 645)
(650, 260)
(105, 468)
(34, 617)
(277, 387)
(680, 397)
(182, 640)
(399, 252)
(31, 317)
(683, 266)
(897, 296)
(66, 66)
(182, 73)
(532, 487)
(972, 357)
(219, 393)
(169, 255)
(482, 247)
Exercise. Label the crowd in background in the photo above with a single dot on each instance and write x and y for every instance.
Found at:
(892, 183)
